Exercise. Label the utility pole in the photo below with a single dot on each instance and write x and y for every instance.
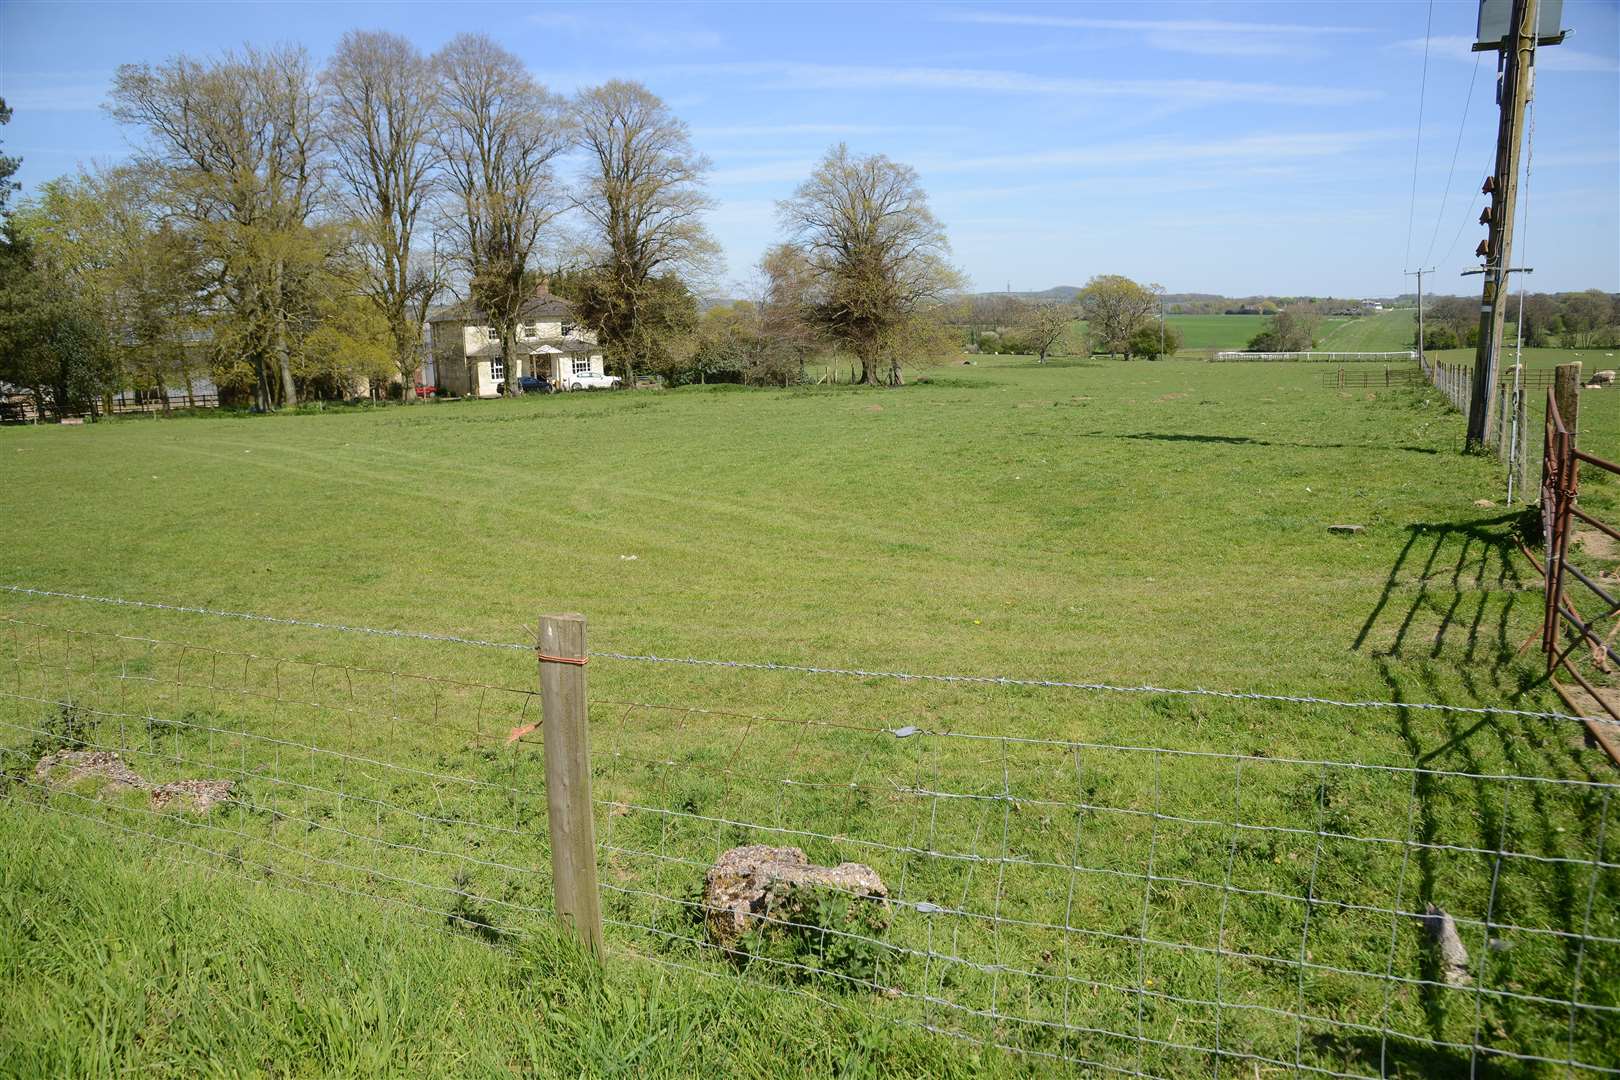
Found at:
(1419, 272)
(1159, 289)
(1517, 60)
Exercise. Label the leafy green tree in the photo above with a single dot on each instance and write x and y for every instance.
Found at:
(238, 155)
(666, 315)
(1044, 328)
(351, 348)
(104, 235)
(1293, 329)
(52, 343)
(1150, 342)
(1115, 308)
(723, 344)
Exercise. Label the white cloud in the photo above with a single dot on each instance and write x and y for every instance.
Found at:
(752, 131)
(1180, 26)
(1263, 155)
(1253, 152)
(1221, 44)
(798, 76)
(1203, 37)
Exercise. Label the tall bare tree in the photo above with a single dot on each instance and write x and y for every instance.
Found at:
(381, 97)
(499, 133)
(239, 150)
(876, 252)
(786, 281)
(644, 199)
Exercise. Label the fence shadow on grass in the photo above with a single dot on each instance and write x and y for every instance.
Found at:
(1504, 818)
(1469, 584)
(1458, 566)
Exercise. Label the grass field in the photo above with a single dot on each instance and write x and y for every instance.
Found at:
(1124, 523)
(1386, 331)
(1383, 332)
(1216, 331)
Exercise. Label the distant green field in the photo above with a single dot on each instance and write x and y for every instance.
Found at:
(1216, 331)
(1384, 332)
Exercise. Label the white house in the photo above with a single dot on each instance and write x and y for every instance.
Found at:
(467, 356)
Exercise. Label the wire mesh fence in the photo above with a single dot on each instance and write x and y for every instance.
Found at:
(376, 783)
(1137, 910)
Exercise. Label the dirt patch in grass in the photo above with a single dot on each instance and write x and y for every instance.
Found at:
(1599, 545)
(65, 768)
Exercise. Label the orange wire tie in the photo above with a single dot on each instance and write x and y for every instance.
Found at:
(577, 661)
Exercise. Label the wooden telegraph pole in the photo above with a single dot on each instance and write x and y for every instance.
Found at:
(1517, 47)
(1419, 272)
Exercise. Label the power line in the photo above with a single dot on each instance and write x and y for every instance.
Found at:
(1417, 150)
(1462, 127)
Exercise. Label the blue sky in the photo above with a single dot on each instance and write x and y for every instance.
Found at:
(1232, 148)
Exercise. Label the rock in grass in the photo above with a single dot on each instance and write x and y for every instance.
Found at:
(779, 894)
(1442, 930)
(67, 767)
(76, 765)
(1347, 530)
(199, 796)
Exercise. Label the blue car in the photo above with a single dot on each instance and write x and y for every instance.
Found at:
(535, 384)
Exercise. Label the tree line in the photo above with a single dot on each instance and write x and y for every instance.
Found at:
(1571, 320)
(1111, 316)
(284, 230)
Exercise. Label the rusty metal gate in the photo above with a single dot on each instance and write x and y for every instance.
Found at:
(1576, 632)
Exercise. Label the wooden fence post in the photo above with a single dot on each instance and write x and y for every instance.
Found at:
(1500, 437)
(1567, 392)
(568, 775)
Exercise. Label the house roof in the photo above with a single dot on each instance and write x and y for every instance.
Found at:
(542, 305)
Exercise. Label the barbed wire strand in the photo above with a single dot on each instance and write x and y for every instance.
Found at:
(807, 669)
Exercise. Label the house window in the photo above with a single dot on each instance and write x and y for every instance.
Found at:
(497, 369)
(529, 330)
(492, 335)
(567, 329)
(582, 365)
